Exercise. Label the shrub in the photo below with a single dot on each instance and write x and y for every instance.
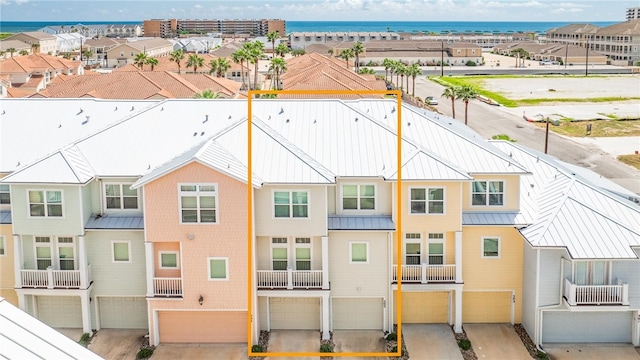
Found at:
(471, 63)
(542, 356)
(464, 344)
(502, 137)
(257, 348)
(84, 339)
(144, 353)
(394, 349)
(326, 348)
(392, 337)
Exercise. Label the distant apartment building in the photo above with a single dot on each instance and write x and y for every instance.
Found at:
(171, 27)
(300, 40)
(633, 13)
(95, 30)
(45, 43)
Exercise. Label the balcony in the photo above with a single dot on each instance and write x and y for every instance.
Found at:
(596, 294)
(425, 273)
(167, 287)
(54, 279)
(290, 279)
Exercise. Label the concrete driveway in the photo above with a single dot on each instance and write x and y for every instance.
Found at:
(592, 351)
(431, 341)
(200, 351)
(115, 344)
(359, 341)
(496, 341)
(294, 341)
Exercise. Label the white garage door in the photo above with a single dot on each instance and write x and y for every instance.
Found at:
(579, 327)
(123, 312)
(295, 313)
(60, 311)
(357, 313)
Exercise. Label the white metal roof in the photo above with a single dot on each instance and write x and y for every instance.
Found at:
(24, 337)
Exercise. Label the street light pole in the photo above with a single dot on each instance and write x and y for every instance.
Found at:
(546, 137)
(566, 55)
(442, 59)
(586, 66)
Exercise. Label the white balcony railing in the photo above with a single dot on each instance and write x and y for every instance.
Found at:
(54, 279)
(596, 294)
(425, 273)
(169, 287)
(289, 279)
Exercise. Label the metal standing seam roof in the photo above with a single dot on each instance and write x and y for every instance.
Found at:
(106, 222)
(512, 218)
(5, 216)
(66, 166)
(360, 222)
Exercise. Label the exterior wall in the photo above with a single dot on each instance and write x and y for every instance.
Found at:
(109, 276)
(159, 247)
(628, 272)
(69, 224)
(383, 202)
(449, 245)
(331, 199)
(550, 268)
(87, 206)
(451, 220)
(511, 193)
(7, 279)
(529, 278)
(266, 224)
(503, 273)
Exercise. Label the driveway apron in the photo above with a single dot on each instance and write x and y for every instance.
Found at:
(294, 341)
(496, 341)
(431, 341)
(359, 341)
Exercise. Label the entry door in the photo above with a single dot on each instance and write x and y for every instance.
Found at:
(66, 252)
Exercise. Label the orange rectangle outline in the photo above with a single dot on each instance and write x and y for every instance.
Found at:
(250, 95)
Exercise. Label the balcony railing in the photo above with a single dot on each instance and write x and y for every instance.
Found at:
(425, 273)
(54, 279)
(290, 279)
(169, 287)
(596, 294)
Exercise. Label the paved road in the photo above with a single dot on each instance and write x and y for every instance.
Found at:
(490, 120)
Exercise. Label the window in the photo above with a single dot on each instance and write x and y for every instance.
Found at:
(487, 193)
(279, 253)
(291, 204)
(66, 253)
(434, 203)
(5, 195)
(198, 203)
(45, 203)
(436, 249)
(359, 252)
(121, 251)
(412, 247)
(303, 253)
(169, 260)
(120, 196)
(591, 273)
(491, 247)
(3, 246)
(358, 197)
(218, 268)
(43, 252)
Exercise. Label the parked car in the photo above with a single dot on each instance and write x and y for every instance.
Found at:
(431, 100)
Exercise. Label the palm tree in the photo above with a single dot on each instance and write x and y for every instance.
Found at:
(11, 51)
(273, 36)
(402, 71)
(367, 71)
(219, 66)
(238, 57)
(277, 66)
(177, 56)
(357, 50)
(207, 94)
(346, 54)
(23, 52)
(87, 54)
(388, 64)
(298, 52)
(466, 93)
(35, 47)
(256, 53)
(282, 50)
(246, 49)
(451, 92)
(140, 60)
(413, 71)
(151, 61)
(330, 52)
(195, 62)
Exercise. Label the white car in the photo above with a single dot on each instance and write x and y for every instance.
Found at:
(431, 100)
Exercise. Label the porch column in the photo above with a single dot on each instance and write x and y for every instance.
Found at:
(82, 260)
(17, 262)
(148, 253)
(635, 329)
(325, 262)
(325, 317)
(22, 301)
(459, 257)
(457, 327)
(86, 312)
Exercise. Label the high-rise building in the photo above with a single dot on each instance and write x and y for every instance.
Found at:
(253, 27)
(633, 13)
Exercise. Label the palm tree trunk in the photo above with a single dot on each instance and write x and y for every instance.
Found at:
(255, 74)
(466, 109)
(413, 91)
(248, 77)
(453, 106)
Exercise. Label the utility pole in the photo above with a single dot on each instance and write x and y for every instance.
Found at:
(442, 59)
(566, 55)
(546, 137)
(586, 65)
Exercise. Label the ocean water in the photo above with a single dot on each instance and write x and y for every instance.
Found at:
(362, 26)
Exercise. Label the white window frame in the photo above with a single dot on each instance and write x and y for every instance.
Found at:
(351, 243)
(45, 203)
(72, 245)
(297, 245)
(427, 201)
(358, 196)
(176, 253)
(590, 272)
(434, 240)
(3, 246)
(279, 246)
(486, 193)
(291, 204)
(226, 271)
(122, 197)
(49, 244)
(409, 238)
(6, 191)
(499, 247)
(113, 251)
(197, 194)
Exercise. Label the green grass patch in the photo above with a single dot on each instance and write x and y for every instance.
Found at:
(525, 102)
(5, 35)
(477, 83)
(633, 160)
(599, 128)
(502, 137)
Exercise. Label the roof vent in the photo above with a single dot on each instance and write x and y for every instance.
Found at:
(86, 121)
(229, 117)
(315, 121)
(162, 108)
(59, 126)
(18, 164)
(206, 118)
(269, 117)
(80, 112)
(132, 108)
(409, 123)
(228, 166)
(356, 119)
(385, 116)
(3, 112)
(202, 133)
(149, 167)
(287, 121)
(393, 109)
(281, 111)
(195, 133)
(116, 109)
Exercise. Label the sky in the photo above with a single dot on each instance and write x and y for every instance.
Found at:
(318, 10)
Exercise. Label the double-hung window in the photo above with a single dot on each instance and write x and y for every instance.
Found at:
(5, 196)
(45, 203)
(427, 201)
(120, 196)
(279, 253)
(43, 252)
(121, 251)
(303, 253)
(218, 268)
(198, 203)
(491, 247)
(359, 252)
(436, 249)
(591, 273)
(66, 253)
(358, 197)
(3, 246)
(291, 204)
(487, 193)
(412, 246)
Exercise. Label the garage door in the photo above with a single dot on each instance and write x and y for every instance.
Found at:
(486, 307)
(357, 313)
(422, 307)
(123, 312)
(294, 313)
(567, 327)
(202, 326)
(60, 311)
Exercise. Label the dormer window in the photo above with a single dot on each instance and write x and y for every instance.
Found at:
(120, 197)
(487, 193)
(5, 195)
(358, 197)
